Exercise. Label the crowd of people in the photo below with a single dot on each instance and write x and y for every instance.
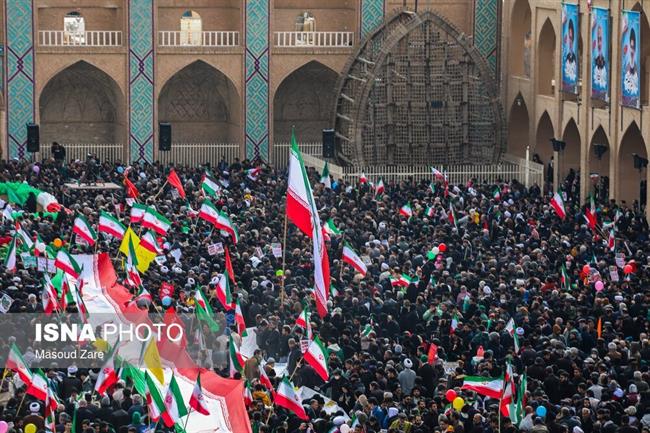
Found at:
(583, 347)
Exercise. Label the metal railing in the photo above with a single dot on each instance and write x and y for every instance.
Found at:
(195, 154)
(104, 152)
(280, 153)
(170, 38)
(91, 38)
(314, 39)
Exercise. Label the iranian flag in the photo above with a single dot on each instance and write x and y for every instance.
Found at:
(287, 398)
(430, 212)
(229, 268)
(197, 401)
(363, 178)
(107, 375)
(406, 210)
(38, 387)
(558, 205)
(224, 224)
(24, 237)
(156, 221)
(82, 228)
(325, 176)
(208, 212)
(67, 264)
(10, 258)
(132, 275)
(437, 174)
(454, 324)
(497, 193)
(302, 211)
(611, 241)
(137, 212)
(590, 213)
(223, 291)
(303, 318)
(209, 184)
(510, 328)
(110, 225)
(264, 378)
(150, 243)
(239, 320)
(81, 306)
(142, 295)
(330, 228)
(452, 214)
(380, 188)
(49, 296)
(406, 280)
(351, 258)
(488, 386)
(155, 404)
(253, 173)
(174, 406)
(236, 360)
(16, 363)
(316, 356)
(248, 395)
(564, 278)
(507, 397)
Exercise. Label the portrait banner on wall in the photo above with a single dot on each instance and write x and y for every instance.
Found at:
(570, 32)
(630, 67)
(600, 54)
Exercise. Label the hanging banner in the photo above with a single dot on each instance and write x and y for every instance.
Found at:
(600, 54)
(630, 48)
(570, 32)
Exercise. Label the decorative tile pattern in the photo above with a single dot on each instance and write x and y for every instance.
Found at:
(19, 73)
(141, 80)
(256, 87)
(486, 31)
(372, 15)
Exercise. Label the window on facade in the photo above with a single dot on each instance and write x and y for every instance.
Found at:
(74, 28)
(305, 22)
(191, 31)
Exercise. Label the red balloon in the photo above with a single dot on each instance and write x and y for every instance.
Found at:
(450, 395)
(627, 269)
(586, 269)
(442, 248)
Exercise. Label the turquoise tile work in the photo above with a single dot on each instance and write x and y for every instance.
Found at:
(486, 31)
(372, 15)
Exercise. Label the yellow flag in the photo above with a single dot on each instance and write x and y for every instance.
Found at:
(144, 256)
(152, 360)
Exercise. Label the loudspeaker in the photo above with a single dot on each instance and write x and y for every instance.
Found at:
(33, 138)
(328, 143)
(164, 136)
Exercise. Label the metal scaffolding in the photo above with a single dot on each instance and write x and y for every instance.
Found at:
(417, 91)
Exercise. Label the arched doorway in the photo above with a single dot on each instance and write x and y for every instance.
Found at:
(305, 99)
(644, 56)
(570, 156)
(543, 149)
(599, 164)
(518, 127)
(631, 178)
(201, 104)
(82, 104)
(546, 59)
(520, 39)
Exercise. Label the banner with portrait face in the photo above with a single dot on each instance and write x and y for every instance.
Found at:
(630, 66)
(570, 35)
(600, 54)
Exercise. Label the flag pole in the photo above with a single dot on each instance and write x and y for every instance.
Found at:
(162, 188)
(21, 404)
(187, 418)
(284, 255)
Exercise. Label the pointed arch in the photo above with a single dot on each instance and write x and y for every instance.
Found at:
(82, 104)
(546, 60)
(545, 131)
(305, 98)
(520, 39)
(599, 154)
(571, 154)
(518, 127)
(201, 104)
(630, 178)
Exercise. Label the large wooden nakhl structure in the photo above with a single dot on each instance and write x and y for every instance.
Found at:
(417, 92)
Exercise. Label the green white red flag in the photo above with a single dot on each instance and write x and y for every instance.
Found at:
(67, 264)
(488, 386)
(82, 228)
(156, 221)
(107, 375)
(110, 225)
(174, 406)
(380, 188)
(224, 294)
(264, 378)
(209, 184)
(10, 258)
(137, 212)
(325, 176)
(317, 356)
(236, 360)
(150, 243)
(286, 397)
(406, 211)
(239, 319)
(197, 401)
(16, 363)
(38, 387)
(49, 296)
(155, 403)
(558, 205)
(330, 228)
(352, 258)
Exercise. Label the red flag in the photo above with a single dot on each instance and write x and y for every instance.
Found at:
(166, 289)
(131, 190)
(433, 354)
(231, 273)
(599, 327)
(175, 181)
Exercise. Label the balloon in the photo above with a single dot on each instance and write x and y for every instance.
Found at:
(599, 286)
(450, 395)
(4, 426)
(586, 269)
(435, 250)
(30, 428)
(442, 247)
(627, 269)
(58, 243)
(345, 428)
(541, 411)
(166, 301)
(458, 403)
(279, 273)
